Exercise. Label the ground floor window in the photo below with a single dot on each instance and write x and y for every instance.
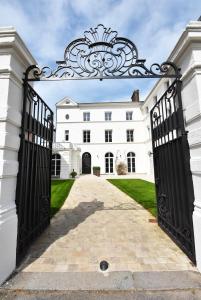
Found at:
(56, 165)
(109, 157)
(131, 162)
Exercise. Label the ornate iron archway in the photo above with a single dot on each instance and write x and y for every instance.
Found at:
(102, 54)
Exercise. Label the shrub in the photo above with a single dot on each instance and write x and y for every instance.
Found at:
(73, 174)
(121, 168)
(96, 171)
(96, 168)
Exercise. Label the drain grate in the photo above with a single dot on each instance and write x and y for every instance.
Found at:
(104, 265)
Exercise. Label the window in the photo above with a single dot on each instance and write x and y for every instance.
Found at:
(66, 135)
(108, 116)
(109, 162)
(129, 135)
(56, 165)
(108, 136)
(86, 116)
(129, 115)
(67, 117)
(131, 162)
(86, 136)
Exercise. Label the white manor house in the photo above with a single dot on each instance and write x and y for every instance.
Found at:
(103, 134)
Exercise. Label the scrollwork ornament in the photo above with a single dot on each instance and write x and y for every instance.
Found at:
(102, 54)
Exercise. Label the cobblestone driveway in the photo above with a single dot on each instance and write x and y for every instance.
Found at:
(99, 222)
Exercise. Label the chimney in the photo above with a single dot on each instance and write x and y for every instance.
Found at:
(135, 97)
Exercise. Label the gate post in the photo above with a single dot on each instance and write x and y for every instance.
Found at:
(14, 59)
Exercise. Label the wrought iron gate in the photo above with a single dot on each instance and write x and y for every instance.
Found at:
(34, 176)
(102, 54)
(174, 187)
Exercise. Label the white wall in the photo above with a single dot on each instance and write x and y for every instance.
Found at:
(70, 158)
(14, 59)
(97, 126)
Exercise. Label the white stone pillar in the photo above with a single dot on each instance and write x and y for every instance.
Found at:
(14, 59)
(187, 54)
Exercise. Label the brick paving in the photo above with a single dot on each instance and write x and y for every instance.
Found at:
(99, 222)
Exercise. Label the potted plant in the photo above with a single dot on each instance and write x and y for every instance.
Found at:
(121, 168)
(96, 171)
(73, 174)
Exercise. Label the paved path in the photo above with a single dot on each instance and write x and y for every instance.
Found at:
(99, 222)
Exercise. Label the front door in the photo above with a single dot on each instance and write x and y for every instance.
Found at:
(86, 163)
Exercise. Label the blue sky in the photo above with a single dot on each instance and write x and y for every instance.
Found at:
(47, 26)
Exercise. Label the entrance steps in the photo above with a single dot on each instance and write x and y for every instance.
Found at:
(103, 286)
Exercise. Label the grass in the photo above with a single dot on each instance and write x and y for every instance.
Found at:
(140, 190)
(59, 192)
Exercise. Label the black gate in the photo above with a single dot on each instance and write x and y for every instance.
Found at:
(34, 177)
(102, 54)
(174, 187)
(86, 163)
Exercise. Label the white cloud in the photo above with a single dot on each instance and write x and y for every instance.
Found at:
(47, 26)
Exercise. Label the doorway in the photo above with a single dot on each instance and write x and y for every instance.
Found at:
(86, 163)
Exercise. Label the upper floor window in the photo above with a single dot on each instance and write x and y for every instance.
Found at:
(108, 136)
(130, 135)
(86, 116)
(129, 115)
(86, 136)
(67, 116)
(108, 116)
(66, 135)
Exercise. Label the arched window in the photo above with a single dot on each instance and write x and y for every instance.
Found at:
(131, 162)
(109, 157)
(56, 165)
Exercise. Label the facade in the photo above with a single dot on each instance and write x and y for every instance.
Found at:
(102, 134)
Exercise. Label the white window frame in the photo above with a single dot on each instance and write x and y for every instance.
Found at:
(67, 135)
(129, 115)
(86, 136)
(108, 116)
(108, 136)
(86, 116)
(109, 163)
(129, 136)
(56, 163)
(131, 162)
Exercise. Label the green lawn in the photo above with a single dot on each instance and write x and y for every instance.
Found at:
(59, 192)
(141, 191)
